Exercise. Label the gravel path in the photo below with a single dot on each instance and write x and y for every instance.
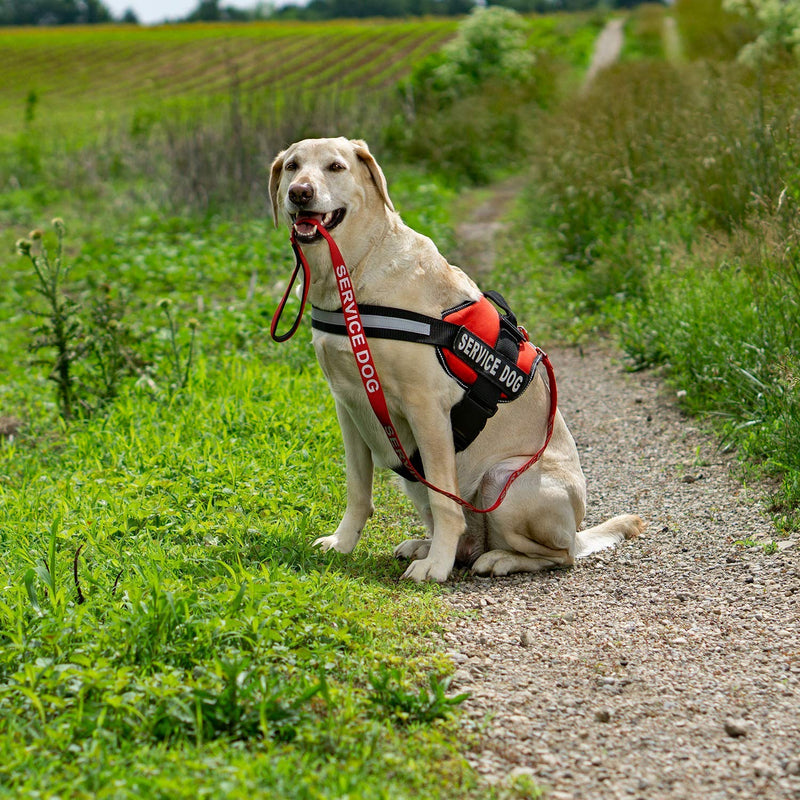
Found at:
(667, 668)
(607, 48)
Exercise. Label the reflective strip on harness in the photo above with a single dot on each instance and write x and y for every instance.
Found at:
(335, 319)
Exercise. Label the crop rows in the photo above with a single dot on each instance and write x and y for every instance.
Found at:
(111, 70)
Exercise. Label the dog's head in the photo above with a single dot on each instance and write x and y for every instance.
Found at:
(330, 180)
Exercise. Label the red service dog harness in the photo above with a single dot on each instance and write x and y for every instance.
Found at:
(484, 351)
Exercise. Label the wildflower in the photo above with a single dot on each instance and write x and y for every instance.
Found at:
(192, 324)
(164, 303)
(35, 234)
(59, 225)
(24, 247)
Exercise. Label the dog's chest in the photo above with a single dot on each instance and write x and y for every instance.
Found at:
(339, 367)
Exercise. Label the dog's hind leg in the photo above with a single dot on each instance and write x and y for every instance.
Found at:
(471, 545)
(608, 534)
(434, 438)
(534, 528)
(411, 549)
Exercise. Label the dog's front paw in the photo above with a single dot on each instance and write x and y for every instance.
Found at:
(412, 549)
(336, 542)
(427, 569)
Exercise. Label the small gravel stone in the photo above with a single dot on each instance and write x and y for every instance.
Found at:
(736, 728)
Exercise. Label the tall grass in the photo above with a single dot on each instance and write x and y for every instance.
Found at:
(672, 193)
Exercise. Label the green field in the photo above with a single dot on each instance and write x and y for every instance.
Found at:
(89, 75)
(166, 628)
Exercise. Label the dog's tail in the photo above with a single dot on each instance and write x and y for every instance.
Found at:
(608, 534)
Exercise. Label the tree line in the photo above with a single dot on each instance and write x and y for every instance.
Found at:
(87, 12)
(53, 12)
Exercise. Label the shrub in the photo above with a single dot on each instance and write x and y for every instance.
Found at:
(778, 26)
(491, 45)
(467, 107)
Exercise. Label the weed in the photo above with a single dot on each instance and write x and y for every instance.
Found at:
(94, 352)
(409, 706)
(180, 364)
(111, 344)
(61, 329)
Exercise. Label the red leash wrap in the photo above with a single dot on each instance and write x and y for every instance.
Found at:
(369, 375)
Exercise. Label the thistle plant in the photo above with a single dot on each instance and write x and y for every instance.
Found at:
(181, 366)
(109, 344)
(60, 329)
(93, 348)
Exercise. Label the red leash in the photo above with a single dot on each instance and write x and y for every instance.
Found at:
(369, 375)
(300, 263)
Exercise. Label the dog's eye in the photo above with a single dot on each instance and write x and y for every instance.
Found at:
(337, 166)
(290, 167)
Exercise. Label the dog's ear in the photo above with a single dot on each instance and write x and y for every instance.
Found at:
(274, 181)
(362, 151)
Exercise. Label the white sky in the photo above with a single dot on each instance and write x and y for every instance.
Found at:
(152, 11)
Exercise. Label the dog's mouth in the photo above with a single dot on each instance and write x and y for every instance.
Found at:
(306, 231)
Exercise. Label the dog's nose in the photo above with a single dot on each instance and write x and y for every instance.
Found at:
(301, 194)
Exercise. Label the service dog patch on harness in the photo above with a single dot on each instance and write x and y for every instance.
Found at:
(488, 346)
(480, 348)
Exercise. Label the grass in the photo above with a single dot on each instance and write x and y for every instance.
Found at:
(663, 207)
(167, 628)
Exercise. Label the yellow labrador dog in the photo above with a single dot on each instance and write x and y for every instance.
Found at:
(338, 183)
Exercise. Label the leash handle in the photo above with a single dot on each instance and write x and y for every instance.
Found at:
(300, 263)
(371, 381)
